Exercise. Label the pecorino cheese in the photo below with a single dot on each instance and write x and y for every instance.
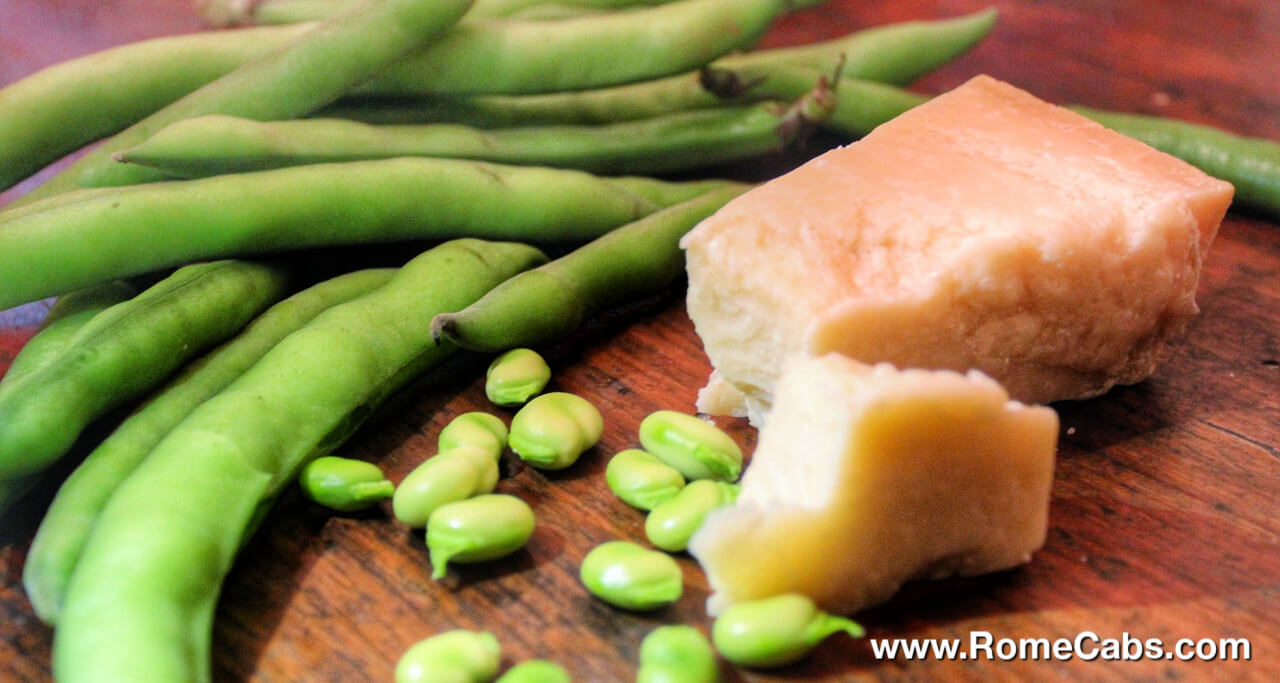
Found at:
(867, 477)
(984, 229)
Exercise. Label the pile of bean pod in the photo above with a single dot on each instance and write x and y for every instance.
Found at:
(343, 122)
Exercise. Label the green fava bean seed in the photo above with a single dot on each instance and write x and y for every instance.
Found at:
(671, 524)
(463, 656)
(641, 480)
(515, 377)
(536, 671)
(474, 429)
(552, 430)
(344, 484)
(479, 529)
(483, 460)
(695, 447)
(677, 654)
(448, 477)
(626, 575)
(775, 631)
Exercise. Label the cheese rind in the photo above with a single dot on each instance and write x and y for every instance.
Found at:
(984, 229)
(867, 477)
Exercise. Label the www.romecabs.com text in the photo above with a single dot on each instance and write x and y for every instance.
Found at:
(1086, 646)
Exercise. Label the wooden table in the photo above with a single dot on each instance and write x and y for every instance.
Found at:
(1164, 517)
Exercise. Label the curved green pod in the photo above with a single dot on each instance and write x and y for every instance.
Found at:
(309, 69)
(1252, 165)
(156, 561)
(239, 12)
(67, 106)
(64, 107)
(216, 145)
(894, 53)
(548, 303)
(64, 320)
(121, 353)
(130, 230)
(586, 52)
(71, 516)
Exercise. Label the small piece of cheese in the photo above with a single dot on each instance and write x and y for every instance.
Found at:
(984, 229)
(868, 477)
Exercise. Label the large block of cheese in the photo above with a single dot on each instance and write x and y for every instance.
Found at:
(985, 229)
(867, 477)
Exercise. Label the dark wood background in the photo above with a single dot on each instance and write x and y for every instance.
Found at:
(1164, 515)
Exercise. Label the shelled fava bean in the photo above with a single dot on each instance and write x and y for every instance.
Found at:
(552, 430)
(536, 671)
(677, 654)
(463, 656)
(775, 631)
(642, 480)
(515, 377)
(474, 429)
(671, 524)
(478, 529)
(626, 575)
(451, 476)
(344, 484)
(698, 449)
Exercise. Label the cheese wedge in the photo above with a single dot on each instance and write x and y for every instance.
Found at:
(984, 229)
(867, 477)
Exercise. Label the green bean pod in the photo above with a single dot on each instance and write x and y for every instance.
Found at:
(896, 53)
(548, 303)
(130, 230)
(120, 354)
(858, 106)
(306, 72)
(513, 57)
(166, 539)
(246, 12)
(1252, 165)
(67, 316)
(70, 518)
(64, 107)
(216, 145)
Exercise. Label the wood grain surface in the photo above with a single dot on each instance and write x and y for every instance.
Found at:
(1164, 515)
